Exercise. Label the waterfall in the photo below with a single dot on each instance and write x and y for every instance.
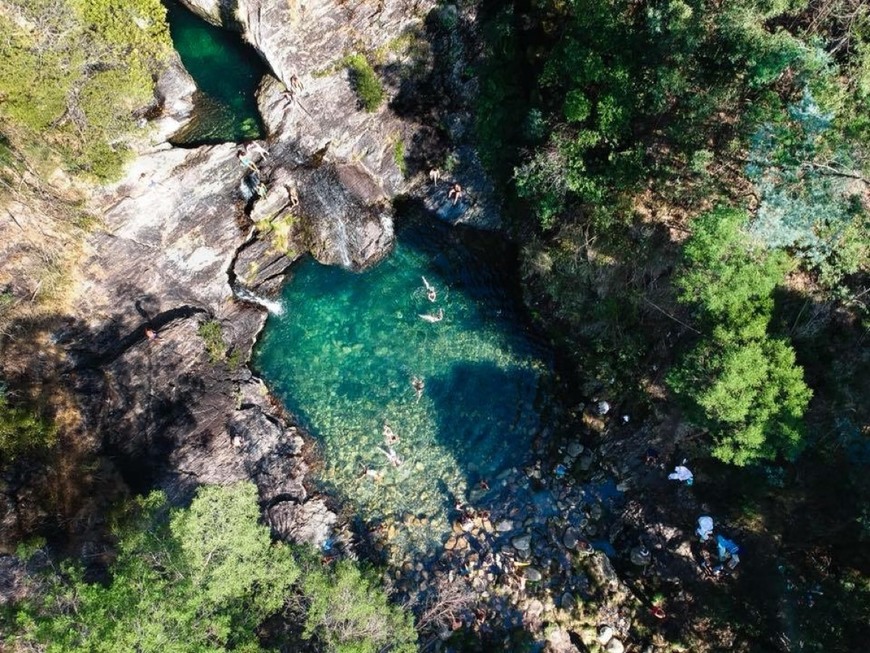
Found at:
(275, 308)
(341, 243)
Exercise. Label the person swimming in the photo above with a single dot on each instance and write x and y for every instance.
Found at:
(418, 384)
(389, 435)
(392, 456)
(374, 474)
(431, 293)
(428, 317)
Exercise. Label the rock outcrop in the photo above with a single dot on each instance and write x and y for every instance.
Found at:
(418, 49)
(304, 44)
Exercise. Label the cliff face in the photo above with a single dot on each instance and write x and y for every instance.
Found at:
(304, 43)
(183, 233)
(152, 403)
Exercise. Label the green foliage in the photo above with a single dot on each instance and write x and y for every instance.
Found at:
(738, 381)
(349, 613)
(810, 192)
(627, 93)
(200, 581)
(73, 71)
(399, 156)
(204, 580)
(22, 430)
(212, 335)
(731, 280)
(365, 82)
(229, 557)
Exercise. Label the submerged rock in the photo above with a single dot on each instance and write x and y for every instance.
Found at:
(522, 542)
(571, 538)
(605, 634)
(532, 574)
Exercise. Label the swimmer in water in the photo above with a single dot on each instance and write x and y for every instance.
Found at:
(392, 456)
(433, 318)
(431, 293)
(374, 474)
(389, 436)
(418, 385)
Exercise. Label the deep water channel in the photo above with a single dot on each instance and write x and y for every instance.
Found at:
(345, 351)
(227, 73)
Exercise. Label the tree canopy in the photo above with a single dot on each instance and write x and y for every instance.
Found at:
(205, 579)
(73, 72)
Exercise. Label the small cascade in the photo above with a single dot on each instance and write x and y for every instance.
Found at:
(341, 243)
(275, 308)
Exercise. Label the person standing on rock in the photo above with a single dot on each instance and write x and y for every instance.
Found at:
(246, 161)
(254, 148)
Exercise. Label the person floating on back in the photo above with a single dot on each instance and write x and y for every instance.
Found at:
(392, 456)
(433, 318)
(418, 385)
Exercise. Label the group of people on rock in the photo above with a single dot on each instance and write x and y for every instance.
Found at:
(455, 194)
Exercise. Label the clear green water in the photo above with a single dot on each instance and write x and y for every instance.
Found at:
(226, 72)
(344, 352)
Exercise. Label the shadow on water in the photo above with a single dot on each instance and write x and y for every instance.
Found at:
(476, 428)
(227, 73)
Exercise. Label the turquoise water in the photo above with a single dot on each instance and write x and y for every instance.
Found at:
(226, 72)
(344, 353)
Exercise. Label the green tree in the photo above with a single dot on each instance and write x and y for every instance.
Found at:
(349, 613)
(203, 580)
(72, 73)
(738, 381)
(730, 279)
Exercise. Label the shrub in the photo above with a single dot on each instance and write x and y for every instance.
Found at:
(213, 339)
(366, 84)
(350, 614)
(22, 430)
(399, 156)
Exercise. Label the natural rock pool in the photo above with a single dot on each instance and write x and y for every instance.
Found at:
(347, 347)
(226, 72)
